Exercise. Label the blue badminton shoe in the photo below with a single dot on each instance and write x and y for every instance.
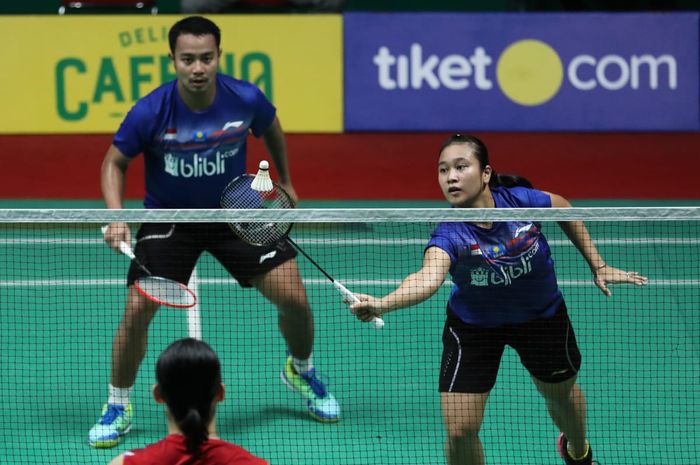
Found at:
(321, 404)
(112, 425)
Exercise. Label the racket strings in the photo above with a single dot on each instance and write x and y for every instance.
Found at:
(166, 291)
(240, 195)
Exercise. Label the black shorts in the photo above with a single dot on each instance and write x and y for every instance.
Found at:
(171, 251)
(472, 354)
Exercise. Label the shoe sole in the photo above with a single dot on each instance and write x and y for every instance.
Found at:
(311, 412)
(111, 443)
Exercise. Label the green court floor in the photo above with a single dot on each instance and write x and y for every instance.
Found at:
(62, 294)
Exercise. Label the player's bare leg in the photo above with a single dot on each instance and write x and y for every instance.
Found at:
(128, 350)
(567, 407)
(463, 415)
(131, 339)
(284, 287)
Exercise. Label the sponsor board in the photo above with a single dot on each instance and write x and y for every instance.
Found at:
(509, 72)
(81, 74)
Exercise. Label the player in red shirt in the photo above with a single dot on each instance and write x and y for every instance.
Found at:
(188, 375)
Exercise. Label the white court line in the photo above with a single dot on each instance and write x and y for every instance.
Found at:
(310, 282)
(194, 316)
(50, 241)
(382, 242)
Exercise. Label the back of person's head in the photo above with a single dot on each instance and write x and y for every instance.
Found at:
(195, 25)
(188, 375)
(481, 153)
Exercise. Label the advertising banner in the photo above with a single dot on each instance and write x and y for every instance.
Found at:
(81, 74)
(511, 72)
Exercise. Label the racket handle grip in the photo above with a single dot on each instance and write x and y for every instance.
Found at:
(345, 292)
(126, 250)
(378, 322)
(352, 298)
(123, 246)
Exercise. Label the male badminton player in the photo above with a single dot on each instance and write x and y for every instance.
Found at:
(505, 293)
(192, 132)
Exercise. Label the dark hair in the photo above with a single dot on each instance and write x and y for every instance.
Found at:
(195, 25)
(481, 153)
(188, 373)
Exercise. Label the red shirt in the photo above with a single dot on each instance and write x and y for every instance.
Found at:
(173, 451)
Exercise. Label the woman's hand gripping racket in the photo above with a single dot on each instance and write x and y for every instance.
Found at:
(252, 192)
(163, 291)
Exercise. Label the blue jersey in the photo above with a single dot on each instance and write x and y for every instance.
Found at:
(503, 274)
(191, 156)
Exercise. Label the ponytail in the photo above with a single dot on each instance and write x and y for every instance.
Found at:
(509, 180)
(195, 429)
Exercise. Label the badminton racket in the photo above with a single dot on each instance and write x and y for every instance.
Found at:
(243, 193)
(163, 291)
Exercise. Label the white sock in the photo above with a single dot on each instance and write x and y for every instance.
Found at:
(302, 366)
(119, 396)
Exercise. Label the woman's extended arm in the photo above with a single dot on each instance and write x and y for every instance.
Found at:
(603, 274)
(415, 288)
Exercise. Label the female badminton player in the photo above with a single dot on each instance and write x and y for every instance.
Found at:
(188, 382)
(505, 293)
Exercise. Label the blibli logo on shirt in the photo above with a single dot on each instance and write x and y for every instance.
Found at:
(196, 168)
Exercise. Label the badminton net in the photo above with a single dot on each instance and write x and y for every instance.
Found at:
(62, 294)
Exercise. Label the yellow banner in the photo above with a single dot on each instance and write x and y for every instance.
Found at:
(82, 74)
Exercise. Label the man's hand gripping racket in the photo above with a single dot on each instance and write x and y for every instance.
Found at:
(259, 191)
(163, 291)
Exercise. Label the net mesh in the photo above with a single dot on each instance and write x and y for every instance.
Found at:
(62, 295)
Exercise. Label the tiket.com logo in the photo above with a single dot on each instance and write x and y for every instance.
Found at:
(196, 168)
(528, 72)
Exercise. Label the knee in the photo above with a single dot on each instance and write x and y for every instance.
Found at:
(139, 310)
(463, 430)
(565, 398)
(558, 392)
(464, 437)
(293, 308)
(292, 302)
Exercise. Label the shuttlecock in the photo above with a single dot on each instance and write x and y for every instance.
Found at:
(262, 181)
